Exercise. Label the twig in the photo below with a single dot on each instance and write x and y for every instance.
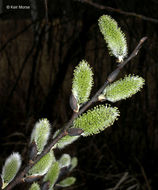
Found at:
(38, 47)
(16, 35)
(144, 175)
(20, 73)
(111, 9)
(134, 53)
(46, 11)
(111, 78)
(133, 187)
(123, 178)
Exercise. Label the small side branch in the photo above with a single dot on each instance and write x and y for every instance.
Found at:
(112, 76)
(123, 178)
(119, 11)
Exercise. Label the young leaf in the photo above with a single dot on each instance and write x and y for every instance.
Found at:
(42, 165)
(113, 36)
(123, 88)
(40, 134)
(82, 82)
(65, 140)
(65, 161)
(67, 182)
(52, 174)
(34, 186)
(10, 168)
(96, 120)
(74, 162)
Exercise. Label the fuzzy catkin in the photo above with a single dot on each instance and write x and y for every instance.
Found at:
(123, 88)
(96, 120)
(113, 36)
(82, 82)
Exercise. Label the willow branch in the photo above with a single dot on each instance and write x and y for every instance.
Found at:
(119, 11)
(111, 78)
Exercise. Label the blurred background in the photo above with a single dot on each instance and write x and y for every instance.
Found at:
(39, 48)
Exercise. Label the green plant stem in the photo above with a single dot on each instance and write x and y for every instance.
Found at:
(20, 178)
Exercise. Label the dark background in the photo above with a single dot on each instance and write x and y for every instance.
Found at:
(36, 68)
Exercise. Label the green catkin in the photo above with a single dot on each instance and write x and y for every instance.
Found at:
(67, 182)
(82, 82)
(63, 142)
(113, 36)
(10, 168)
(52, 174)
(34, 186)
(40, 134)
(123, 88)
(65, 161)
(96, 120)
(42, 166)
(74, 162)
